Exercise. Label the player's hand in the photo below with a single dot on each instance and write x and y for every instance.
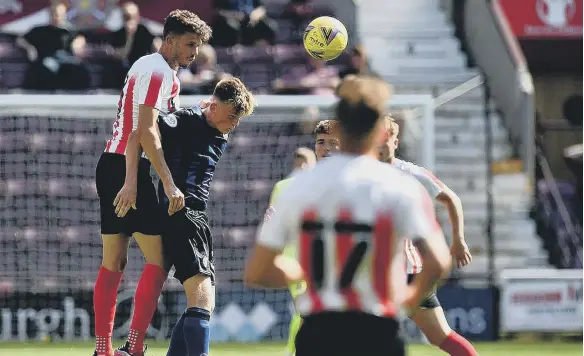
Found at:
(125, 200)
(459, 250)
(32, 54)
(176, 198)
(411, 300)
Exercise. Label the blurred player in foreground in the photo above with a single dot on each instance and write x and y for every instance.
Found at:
(193, 141)
(124, 185)
(429, 317)
(348, 217)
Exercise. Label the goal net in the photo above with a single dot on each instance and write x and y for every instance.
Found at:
(50, 247)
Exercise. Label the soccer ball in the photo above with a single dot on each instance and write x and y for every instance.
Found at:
(325, 38)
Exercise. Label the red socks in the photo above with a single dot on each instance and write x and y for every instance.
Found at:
(456, 345)
(104, 307)
(145, 303)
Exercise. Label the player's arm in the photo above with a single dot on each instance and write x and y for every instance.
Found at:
(418, 222)
(451, 201)
(459, 248)
(440, 191)
(150, 97)
(25, 43)
(437, 265)
(126, 197)
(267, 267)
(454, 207)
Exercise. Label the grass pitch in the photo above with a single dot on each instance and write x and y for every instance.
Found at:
(275, 349)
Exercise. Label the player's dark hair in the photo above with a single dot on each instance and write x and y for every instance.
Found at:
(180, 22)
(325, 127)
(362, 103)
(233, 92)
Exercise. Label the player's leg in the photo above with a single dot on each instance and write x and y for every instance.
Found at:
(188, 246)
(146, 225)
(114, 260)
(191, 334)
(432, 322)
(200, 293)
(147, 291)
(109, 180)
(295, 324)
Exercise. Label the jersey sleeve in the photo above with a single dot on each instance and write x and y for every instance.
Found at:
(275, 193)
(275, 230)
(417, 218)
(428, 181)
(153, 87)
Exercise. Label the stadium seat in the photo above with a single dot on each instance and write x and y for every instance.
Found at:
(254, 67)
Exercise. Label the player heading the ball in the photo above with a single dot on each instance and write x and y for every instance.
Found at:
(128, 202)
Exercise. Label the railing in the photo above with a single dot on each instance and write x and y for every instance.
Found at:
(497, 53)
(567, 231)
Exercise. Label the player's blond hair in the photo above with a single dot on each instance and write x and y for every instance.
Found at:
(391, 125)
(180, 22)
(232, 91)
(363, 102)
(306, 154)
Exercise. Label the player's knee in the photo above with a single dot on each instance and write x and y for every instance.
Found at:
(200, 292)
(151, 247)
(157, 261)
(438, 335)
(115, 263)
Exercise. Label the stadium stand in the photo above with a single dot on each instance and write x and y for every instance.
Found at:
(416, 50)
(49, 220)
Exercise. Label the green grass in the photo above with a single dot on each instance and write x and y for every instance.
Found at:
(265, 349)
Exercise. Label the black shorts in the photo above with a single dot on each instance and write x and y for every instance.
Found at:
(109, 179)
(349, 333)
(188, 244)
(431, 301)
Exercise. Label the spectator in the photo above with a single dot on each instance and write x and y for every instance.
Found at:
(125, 46)
(54, 52)
(299, 11)
(572, 110)
(358, 63)
(241, 21)
(317, 78)
(203, 75)
(133, 40)
(573, 159)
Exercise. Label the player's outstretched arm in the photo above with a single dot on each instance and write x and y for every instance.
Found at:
(150, 141)
(268, 268)
(126, 197)
(459, 248)
(418, 221)
(437, 264)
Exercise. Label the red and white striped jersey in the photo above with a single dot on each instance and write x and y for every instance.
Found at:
(151, 82)
(433, 186)
(347, 218)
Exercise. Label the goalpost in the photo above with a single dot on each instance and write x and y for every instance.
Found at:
(49, 212)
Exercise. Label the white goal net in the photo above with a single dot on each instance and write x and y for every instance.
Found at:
(50, 246)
